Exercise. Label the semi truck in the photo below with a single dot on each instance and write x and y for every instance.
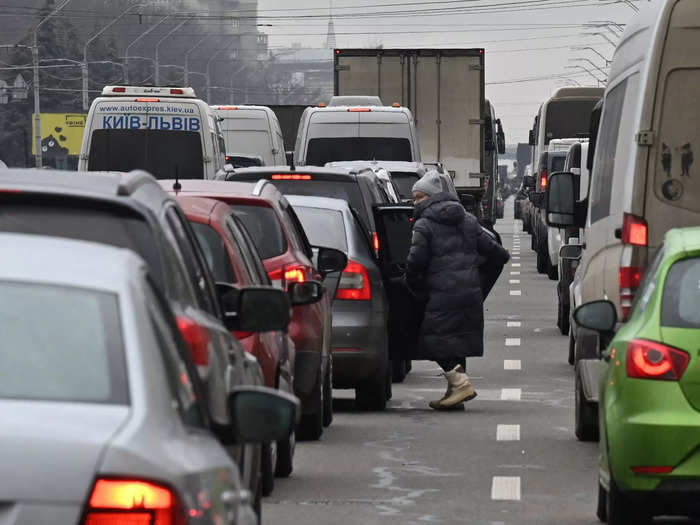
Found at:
(444, 89)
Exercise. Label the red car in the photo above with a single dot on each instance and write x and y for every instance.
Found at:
(287, 256)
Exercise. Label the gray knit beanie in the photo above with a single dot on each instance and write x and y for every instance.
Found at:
(430, 183)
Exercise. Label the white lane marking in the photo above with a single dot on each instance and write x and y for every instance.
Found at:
(516, 292)
(508, 433)
(515, 281)
(515, 265)
(511, 394)
(505, 488)
(514, 324)
(512, 364)
(515, 273)
(512, 341)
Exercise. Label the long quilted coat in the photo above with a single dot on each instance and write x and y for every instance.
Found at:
(447, 251)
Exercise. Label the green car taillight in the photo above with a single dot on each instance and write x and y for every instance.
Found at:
(652, 360)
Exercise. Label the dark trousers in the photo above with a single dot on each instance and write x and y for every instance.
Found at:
(449, 364)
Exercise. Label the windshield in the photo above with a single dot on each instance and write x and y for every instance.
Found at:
(215, 252)
(323, 150)
(164, 154)
(60, 344)
(264, 227)
(323, 227)
(568, 118)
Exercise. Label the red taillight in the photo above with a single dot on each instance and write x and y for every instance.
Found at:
(375, 241)
(177, 91)
(290, 176)
(228, 108)
(144, 99)
(119, 90)
(288, 274)
(651, 360)
(651, 470)
(197, 339)
(543, 179)
(131, 502)
(634, 230)
(359, 110)
(630, 277)
(354, 283)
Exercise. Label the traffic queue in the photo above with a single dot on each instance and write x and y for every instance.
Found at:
(217, 299)
(611, 205)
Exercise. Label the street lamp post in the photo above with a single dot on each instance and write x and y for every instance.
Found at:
(605, 74)
(157, 60)
(138, 38)
(86, 101)
(599, 81)
(209, 63)
(606, 37)
(588, 48)
(38, 159)
(187, 58)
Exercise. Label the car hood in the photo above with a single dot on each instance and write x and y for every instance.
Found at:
(51, 451)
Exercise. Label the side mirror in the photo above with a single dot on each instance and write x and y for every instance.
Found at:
(529, 181)
(262, 415)
(254, 309)
(531, 137)
(561, 200)
(599, 316)
(571, 252)
(331, 260)
(308, 292)
(228, 168)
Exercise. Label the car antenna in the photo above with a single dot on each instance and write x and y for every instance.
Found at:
(292, 167)
(177, 186)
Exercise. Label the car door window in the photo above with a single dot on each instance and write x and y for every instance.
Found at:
(179, 370)
(297, 230)
(249, 252)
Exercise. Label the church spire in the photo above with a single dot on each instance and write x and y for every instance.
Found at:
(330, 37)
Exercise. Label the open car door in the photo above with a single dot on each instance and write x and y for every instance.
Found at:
(394, 224)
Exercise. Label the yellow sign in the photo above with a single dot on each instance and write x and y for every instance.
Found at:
(61, 133)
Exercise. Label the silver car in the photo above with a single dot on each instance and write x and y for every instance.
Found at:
(100, 401)
(359, 342)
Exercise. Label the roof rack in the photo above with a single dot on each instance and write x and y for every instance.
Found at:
(132, 181)
(257, 191)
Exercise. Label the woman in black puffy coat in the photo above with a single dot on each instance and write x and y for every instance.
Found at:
(448, 249)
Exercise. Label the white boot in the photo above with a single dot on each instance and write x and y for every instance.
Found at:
(459, 389)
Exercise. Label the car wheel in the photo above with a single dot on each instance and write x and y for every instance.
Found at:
(621, 511)
(552, 270)
(586, 413)
(372, 394)
(572, 345)
(533, 242)
(389, 392)
(328, 397)
(602, 510)
(398, 370)
(285, 457)
(409, 365)
(311, 425)
(267, 467)
(563, 317)
(541, 262)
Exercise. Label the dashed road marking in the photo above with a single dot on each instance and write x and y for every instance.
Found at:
(512, 341)
(512, 364)
(515, 281)
(516, 292)
(514, 324)
(511, 394)
(516, 257)
(515, 273)
(508, 433)
(515, 265)
(505, 488)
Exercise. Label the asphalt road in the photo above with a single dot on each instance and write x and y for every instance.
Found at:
(510, 457)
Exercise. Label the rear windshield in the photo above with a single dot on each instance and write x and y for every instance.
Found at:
(323, 150)
(215, 252)
(349, 191)
(323, 227)
(568, 118)
(681, 303)
(404, 182)
(165, 154)
(264, 227)
(61, 344)
(103, 226)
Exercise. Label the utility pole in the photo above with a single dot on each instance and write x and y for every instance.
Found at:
(157, 60)
(84, 68)
(38, 158)
(187, 58)
(209, 63)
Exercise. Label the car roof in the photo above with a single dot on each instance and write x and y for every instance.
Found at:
(327, 203)
(259, 190)
(200, 208)
(73, 262)
(322, 173)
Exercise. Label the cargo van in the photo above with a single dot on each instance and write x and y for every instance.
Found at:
(251, 132)
(644, 172)
(340, 133)
(166, 131)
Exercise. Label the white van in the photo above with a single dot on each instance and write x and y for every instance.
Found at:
(329, 134)
(166, 131)
(644, 172)
(251, 132)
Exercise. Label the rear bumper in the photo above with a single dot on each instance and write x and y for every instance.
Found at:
(358, 343)
(670, 498)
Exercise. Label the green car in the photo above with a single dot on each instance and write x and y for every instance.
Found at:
(649, 407)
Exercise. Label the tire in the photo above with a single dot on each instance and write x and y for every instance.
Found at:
(285, 457)
(328, 397)
(572, 347)
(267, 469)
(621, 511)
(409, 365)
(602, 509)
(311, 425)
(552, 270)
(398, 370)
(533, 242)
(563, 320)
(586, 414)
(388, 392)
(541, 262)
(372, 395)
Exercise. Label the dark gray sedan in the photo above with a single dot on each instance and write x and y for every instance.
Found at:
(359, 341)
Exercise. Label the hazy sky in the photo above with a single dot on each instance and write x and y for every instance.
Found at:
(523, 39)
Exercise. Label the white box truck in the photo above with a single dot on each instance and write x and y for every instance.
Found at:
(443, 88)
